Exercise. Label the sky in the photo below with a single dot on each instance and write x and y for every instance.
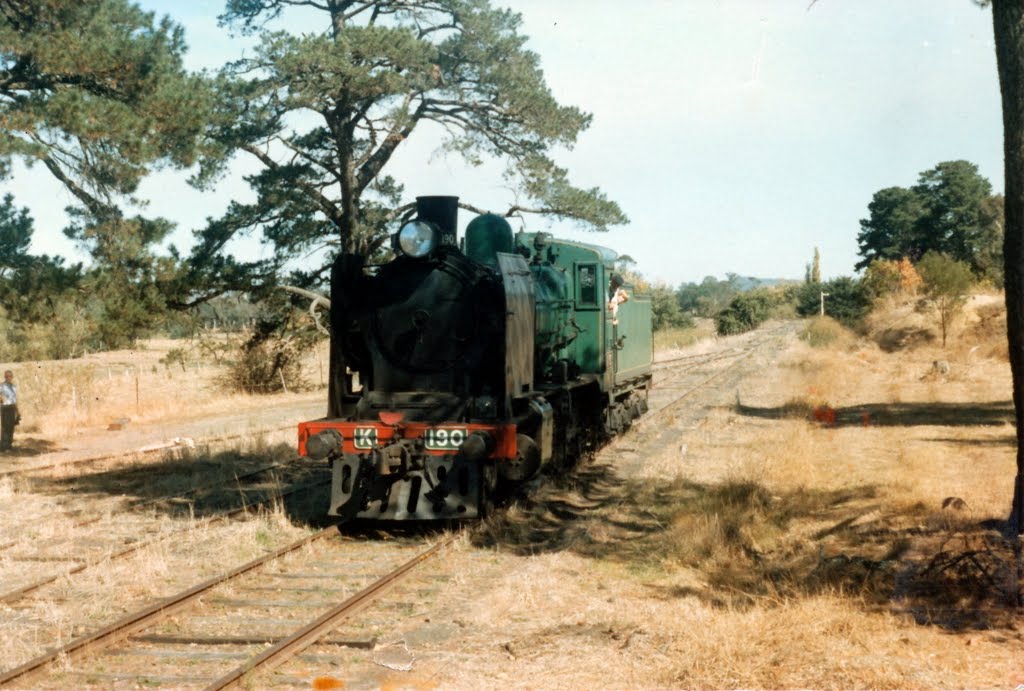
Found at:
(737, 135)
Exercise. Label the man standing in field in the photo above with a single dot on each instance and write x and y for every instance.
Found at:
(8, 410)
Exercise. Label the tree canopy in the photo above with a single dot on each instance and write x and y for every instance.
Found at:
(950, 210)
(324, 113)
(15, 236)
(95, 90)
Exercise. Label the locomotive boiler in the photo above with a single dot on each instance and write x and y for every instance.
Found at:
(458, 371)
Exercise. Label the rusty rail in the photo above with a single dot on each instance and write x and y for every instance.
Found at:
(144, 618)
(278, 654)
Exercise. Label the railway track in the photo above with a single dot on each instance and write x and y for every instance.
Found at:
(77, 560)
(671, 404)
(230, 629)
(677, 383)
(697, 359)
(22, 469)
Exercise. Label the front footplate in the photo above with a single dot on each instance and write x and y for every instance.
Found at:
(443, 487)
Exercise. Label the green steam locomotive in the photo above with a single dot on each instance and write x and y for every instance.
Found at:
(460, 371)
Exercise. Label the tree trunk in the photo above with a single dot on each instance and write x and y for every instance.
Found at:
(1008, 25)
(343, 131)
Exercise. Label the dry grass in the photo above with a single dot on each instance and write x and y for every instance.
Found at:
(765, 548)
(760, 548)
(87, 601)
(58, 398)
(94, 511)
(825, 331)
(125, 504)
(667, 341)
(563, 620)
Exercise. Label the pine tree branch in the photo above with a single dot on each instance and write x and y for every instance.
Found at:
(375, 162)
(516, 210)
(300, 153)
(396, 212)
(329, 208)
(95, 206)
(317, 298)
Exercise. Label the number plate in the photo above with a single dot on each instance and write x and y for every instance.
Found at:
(444, 439)
(365, 437)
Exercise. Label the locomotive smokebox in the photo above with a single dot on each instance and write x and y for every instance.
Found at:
(442, 212)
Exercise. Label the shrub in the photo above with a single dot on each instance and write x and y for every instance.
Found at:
(665, 310)
(822, 331)
(267, 366)
(847, 300)
(890, 277)
(174, 356)
(749, 310)
(946, 283)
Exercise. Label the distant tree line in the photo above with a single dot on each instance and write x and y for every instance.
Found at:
(736, 303)
(932, 241)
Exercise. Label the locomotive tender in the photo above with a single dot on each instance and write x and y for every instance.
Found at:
(457, 371)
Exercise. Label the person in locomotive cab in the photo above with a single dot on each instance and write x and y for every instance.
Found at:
(616, 296)
(9, 417)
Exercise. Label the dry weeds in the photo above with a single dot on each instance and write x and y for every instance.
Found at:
(669, 342)
(77, 605)
(61, 398)
(181, 543)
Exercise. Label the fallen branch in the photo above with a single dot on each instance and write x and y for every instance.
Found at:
(316, 300)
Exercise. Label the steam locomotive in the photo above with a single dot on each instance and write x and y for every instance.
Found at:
(457, 372)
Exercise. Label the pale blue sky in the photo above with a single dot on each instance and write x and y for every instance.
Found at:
(737, 135)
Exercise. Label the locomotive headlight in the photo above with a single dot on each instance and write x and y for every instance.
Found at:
(417, 239)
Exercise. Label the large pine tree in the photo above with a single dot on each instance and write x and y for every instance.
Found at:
(95, 90)
(324, 113)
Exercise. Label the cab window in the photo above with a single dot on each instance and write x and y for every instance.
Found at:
(589, 294)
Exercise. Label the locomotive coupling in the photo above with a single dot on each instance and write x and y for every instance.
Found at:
(477, 447)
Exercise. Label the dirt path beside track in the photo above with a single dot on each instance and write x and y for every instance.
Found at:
(278, 414)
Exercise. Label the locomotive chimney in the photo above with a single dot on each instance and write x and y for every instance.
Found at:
(444, 213)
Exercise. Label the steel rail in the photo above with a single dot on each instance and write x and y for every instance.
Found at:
(143, 618)
(700, 357)
(289, 647)
(731, 351)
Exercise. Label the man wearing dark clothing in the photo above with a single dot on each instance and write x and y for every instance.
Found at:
(8, 410)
